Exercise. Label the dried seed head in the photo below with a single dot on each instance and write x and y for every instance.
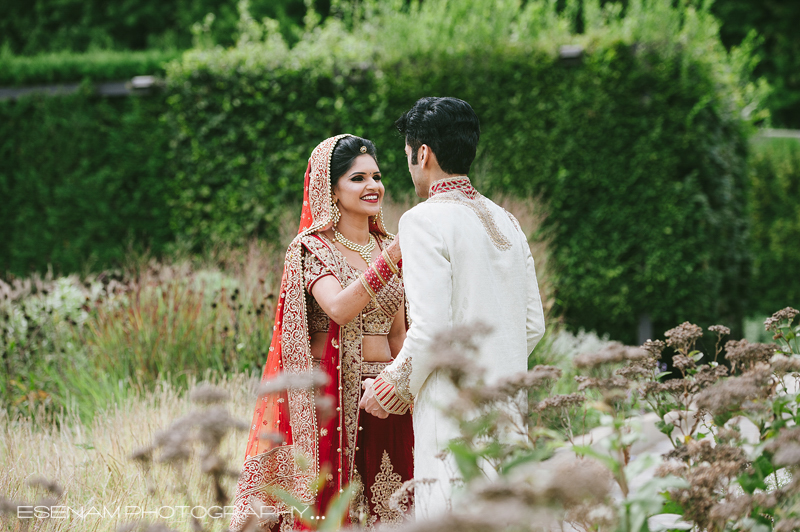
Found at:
(288, 381)
(732, 509)
(143, 455)
(276, 438)
(729, 395)
(788, 314)
(207, 393)
(682, 362)
(613, 353)
(326, 407)
(783, 364)
(49, 485)
(721, 330)
(683, 337)
(556, 402)
(743, 354)
(535, 378)
(578, 481)
(654, 347)
(785, 448)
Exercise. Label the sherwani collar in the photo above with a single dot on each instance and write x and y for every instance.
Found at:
(459, 183)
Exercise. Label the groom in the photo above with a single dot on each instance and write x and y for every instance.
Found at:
(465, 261)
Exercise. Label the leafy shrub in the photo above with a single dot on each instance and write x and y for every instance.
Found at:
(82, 181)
(74, 67)
(774, 198)
(42, 26)
(639, 149)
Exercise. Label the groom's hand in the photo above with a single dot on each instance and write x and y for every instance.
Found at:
(368, 401)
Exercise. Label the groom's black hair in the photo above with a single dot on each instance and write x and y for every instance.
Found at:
(448, 126)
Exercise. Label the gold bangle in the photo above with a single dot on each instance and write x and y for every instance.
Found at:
(389, 262)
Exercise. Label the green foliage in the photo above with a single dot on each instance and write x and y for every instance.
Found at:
(638, 149)
(778, 47)
(82, 180)
(74, 67)
(31, 27)
(774, 203)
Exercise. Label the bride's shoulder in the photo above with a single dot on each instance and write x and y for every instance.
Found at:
(314, 241)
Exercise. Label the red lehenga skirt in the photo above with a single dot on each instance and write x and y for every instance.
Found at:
(384, 461)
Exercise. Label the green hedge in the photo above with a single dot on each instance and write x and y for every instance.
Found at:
(75, 67)
(638, 148)
(775, 213)
(82, 180)
(45, 26)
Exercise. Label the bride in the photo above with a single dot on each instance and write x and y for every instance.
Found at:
(341, 310)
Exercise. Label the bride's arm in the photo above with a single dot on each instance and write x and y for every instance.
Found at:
(342, 305)
(397, 334)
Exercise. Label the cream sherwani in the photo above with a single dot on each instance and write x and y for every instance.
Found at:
(465, 261)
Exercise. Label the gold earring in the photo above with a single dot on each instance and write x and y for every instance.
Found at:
(335, 214)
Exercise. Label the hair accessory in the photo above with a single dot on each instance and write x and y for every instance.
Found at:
(363, 149)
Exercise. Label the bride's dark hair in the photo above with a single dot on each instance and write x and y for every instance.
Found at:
(345, 152)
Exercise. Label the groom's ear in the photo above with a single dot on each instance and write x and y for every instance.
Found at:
(424, 155)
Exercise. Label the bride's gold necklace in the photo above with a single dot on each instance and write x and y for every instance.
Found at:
(365, 251)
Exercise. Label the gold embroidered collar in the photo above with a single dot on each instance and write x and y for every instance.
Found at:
(450, 184)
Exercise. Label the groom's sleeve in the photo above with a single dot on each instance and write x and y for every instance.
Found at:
(427, 276)
(535, 315)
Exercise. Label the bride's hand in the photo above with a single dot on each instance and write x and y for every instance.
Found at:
(394, 249)
(368, 401)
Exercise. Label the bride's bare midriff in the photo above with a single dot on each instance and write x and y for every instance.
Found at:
(374, 348)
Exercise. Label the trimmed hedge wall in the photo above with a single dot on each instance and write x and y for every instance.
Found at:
(638, 148)
(774, 202)
(66, 67)
(639, 154)
(83, 181)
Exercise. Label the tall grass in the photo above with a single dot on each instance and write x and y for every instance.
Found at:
(81, 344)
(91, 461)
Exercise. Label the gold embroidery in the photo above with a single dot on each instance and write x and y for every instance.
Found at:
(400, 379)
(351, 384)
(386, 483)
(274, 468)
(378, 315)
(478, 206)
(372, 369)
(359, 510)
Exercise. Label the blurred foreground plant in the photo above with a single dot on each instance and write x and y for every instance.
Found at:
(731, 423)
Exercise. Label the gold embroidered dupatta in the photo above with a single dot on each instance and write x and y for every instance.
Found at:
(292, 414)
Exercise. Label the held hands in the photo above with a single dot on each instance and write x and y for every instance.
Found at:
(368, 401)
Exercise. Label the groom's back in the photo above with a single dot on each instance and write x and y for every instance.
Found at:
(488, 260)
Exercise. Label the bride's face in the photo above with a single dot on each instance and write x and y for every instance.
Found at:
(360, 191)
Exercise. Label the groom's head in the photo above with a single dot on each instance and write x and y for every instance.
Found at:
(441, 137)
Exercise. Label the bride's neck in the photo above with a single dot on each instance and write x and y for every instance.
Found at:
(354, 229)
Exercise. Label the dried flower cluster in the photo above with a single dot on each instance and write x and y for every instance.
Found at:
(729, 395)
(612, 354)
(683, 337)
(786, 315)
(744, 355)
